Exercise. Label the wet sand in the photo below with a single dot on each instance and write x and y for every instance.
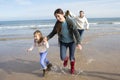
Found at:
(99, 60)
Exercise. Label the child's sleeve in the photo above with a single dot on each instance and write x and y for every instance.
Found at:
(47, 44)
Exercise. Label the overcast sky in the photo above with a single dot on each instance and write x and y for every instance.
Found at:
(44, 9)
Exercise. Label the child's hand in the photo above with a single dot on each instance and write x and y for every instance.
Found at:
(79, 46)
(28, 50)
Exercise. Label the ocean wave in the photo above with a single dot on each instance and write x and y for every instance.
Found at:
(97, 23)
(26, 26)
(93, 23)
(21, 38)
(116, 22)
(44, 26)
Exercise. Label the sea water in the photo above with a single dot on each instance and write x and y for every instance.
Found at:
(25, 28)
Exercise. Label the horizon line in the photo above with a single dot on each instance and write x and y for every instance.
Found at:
(52, 19)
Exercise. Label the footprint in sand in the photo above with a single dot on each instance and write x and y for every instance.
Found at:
(63, 70)
(54, 68)
(90, 61)
(59, 69)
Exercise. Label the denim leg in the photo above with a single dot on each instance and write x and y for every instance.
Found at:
(72, 51)
(42, 60)
(81, 33)
(63, 49)
(47, 61)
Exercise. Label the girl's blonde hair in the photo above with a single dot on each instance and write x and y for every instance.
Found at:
(37, 32)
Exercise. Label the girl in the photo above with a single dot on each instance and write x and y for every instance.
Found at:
(67, 32)
(42, 48)
(81, 22)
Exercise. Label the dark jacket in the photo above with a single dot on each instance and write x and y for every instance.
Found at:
(71, 27)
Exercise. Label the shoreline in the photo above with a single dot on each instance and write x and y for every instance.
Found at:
(99, 59)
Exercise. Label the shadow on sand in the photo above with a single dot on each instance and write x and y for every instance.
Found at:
(32, 67)
(21, 66)
(101, 75)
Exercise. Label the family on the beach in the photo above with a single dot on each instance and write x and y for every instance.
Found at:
(70, 29)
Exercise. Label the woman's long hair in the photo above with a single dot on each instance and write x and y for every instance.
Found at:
(58, 11)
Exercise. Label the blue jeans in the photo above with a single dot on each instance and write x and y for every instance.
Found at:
(43, 60)
(63, 50)
(81, 33)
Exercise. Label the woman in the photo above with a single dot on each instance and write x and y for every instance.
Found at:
(68, 34)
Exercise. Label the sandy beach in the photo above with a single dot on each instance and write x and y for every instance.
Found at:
(99, 59)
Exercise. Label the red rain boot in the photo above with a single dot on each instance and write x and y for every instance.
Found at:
(72, 67)
(65, 62)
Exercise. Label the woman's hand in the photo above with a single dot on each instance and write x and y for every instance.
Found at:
(79, 46)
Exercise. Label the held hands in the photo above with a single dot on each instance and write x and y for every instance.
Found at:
(45, 39)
